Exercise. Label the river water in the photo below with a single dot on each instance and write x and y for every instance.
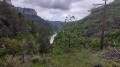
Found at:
(53, 38)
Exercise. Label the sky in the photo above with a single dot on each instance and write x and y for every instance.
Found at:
(57, 10)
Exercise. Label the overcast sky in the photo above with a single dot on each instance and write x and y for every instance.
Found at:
(57, 10)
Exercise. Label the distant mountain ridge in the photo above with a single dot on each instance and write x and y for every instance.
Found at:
(56, 23)
(59, 23)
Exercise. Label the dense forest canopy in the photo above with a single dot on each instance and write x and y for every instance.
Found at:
(20, 36)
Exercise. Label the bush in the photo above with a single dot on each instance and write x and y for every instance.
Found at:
(95, 44)
(41, 60)
(98, 65)
(116, 44)
(57, 50)
(3, 52)
(20, 36)
(35, 59)
(69, 50)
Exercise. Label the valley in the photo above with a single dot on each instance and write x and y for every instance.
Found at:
(28, 40)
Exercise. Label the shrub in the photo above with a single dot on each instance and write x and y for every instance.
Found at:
(41, 60)
(98, 65)
(35, 59)
(57, 50)
(95, 44)
(68, 50)
(20, 36)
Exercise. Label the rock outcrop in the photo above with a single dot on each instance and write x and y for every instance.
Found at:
(27, 11)
(8, 1)
(112, 53)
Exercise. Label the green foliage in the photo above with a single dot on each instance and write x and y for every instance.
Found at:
(80, 59)
(86, 33)
(3, 52)
(57, 50)
(42, 22)
(31, 36)
(20, 36)
(92, 21)
(35, 59)
(116, 1)
(114, 38)
(95, 44)
(16, 46)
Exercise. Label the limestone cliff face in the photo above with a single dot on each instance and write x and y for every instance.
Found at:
(27, 11)
(8, 1)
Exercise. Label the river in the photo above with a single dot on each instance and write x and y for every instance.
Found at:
(52, 38)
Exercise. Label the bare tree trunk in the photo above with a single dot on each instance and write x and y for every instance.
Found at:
(103, 27)
(69, 43)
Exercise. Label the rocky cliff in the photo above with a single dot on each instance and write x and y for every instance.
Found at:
(27, 11)
(32, 15)
(8, 1)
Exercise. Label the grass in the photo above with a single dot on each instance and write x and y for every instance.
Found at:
(82, 59)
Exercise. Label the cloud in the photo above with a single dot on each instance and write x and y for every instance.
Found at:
(52, 4)
(57, 10)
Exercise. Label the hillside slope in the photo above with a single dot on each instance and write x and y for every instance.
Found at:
(31, 14)
(81, 59)
(56, 23)
(20, 37)
(42, 22)
(87, 32)
(93, 23)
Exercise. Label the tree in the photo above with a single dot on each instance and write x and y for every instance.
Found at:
(43, 44)
(66, 28)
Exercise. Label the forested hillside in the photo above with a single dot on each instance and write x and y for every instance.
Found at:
(42, 22)
(31, 14)
(58, 24)
(86, 33)
(84, 36)
(20, 38)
